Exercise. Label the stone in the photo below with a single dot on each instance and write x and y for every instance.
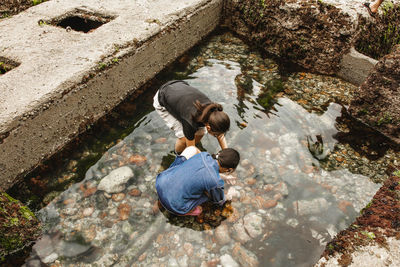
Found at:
(138, 160)
(227, 261)
(118, 197)
(124, 210)
(343, 204)
(270, 203)
(89, 191)
(51, 258)
(308, 207)
(115, 181)
(88, 211)
(160, 140)
(244, 256)
(281, 188)
(239, 233)
(253, 224)
(188, 249)
(232, 193)
(222, 234)
(135, 192)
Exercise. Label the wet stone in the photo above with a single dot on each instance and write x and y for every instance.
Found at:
(253, 224)
(222, 234)
(135, 192)
(118, 197)
(227, 261)
(239, 232)
(124, 211)
(88, 211)
(308, 207)
(115, 181)
(244, 256)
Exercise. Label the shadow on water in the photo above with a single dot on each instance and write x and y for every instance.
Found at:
(372, 145)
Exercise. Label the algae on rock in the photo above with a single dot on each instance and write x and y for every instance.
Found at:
(19, 226)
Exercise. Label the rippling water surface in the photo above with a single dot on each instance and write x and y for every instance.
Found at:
(285, 206)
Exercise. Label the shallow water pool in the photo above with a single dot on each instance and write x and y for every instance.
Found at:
(296, 188)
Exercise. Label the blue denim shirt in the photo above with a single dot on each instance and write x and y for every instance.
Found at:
(182, 186)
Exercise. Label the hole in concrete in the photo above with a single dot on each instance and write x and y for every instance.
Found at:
(7, 65)
(81, 21)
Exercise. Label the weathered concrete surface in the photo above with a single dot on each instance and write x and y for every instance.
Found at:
(355, 67)
(68, 79)
(371, 255)
(377, 102)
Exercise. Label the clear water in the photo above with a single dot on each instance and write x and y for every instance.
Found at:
(285, 205)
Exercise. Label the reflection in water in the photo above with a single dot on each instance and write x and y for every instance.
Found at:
(284, 207)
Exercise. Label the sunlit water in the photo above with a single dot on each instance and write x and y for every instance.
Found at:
(285, 206)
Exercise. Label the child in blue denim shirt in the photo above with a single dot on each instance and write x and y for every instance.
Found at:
(194, 178)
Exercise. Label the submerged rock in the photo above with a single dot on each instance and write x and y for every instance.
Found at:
(115, 181)
(228, 261)
(253, 224)
(244, 256)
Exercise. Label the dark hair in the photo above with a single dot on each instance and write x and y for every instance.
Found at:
(227, 158)
(212, 113)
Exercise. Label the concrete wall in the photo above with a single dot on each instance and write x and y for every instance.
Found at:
(60, 87)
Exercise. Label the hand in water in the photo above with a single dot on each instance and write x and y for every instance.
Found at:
(229, 178)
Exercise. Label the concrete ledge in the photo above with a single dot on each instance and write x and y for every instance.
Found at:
(67, 79)
(355, 67)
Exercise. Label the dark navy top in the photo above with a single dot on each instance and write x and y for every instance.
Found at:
(178, 98)
(184, 184)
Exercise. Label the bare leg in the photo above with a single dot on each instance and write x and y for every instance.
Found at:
(180, 145)
(198, 137)
(375, 5)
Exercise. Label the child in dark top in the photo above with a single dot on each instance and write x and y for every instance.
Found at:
(189, 112)
(194, 178)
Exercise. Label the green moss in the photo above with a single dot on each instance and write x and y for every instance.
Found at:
(370, 235)
(11, 199)
(366, 207)
(37, 2)
(385, 119)
(26, 213)
(11, 243)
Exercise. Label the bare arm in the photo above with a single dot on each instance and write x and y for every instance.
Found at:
(222, 141)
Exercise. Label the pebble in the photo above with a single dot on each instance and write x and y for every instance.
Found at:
(118, 197)
(115, 181)
(252, 223)
(227, 261)
(88, 211)
(135, 192)
(124, 211)
(244, 256)
(222, 234)
(239, 232)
